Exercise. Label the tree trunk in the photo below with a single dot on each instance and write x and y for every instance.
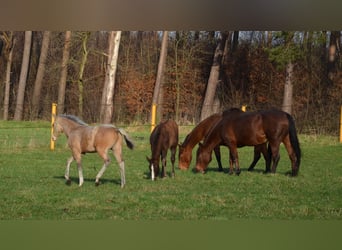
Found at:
(40, 74)
(64, 71)
(23, 76)
(108, 89)
(81, 71)
(335, 39)
(156, 99)
(8, 76)
(288, 89)
(208, 103)
(235, 41)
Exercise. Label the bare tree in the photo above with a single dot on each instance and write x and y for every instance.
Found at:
(208, 103)
(161, 67)
(62, 80)
(106, 113)
(334, 53)
(23, 76)
(9, 44)
(85, 36)
(288, 89)
(40, 74)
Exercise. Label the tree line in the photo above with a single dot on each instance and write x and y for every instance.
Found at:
(116, 76)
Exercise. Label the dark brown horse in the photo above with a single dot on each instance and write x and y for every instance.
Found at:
(163, 137)
(238, 129)
(199, 133)
(88, 139)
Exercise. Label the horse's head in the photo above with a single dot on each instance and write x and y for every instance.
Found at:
(184, 157)
(57, 129)
(153, 167)
(203, 158)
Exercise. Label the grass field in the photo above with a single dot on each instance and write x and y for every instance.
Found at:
(32, 185)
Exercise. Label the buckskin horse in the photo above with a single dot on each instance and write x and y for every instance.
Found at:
(238, 129)
(199, 133)
(163, 137)
(83, 138)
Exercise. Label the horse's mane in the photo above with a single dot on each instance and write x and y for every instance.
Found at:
(74, 119)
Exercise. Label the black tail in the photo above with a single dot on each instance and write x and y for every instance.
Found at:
(128, 141)
(294, 140)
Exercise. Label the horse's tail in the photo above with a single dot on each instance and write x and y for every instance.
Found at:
(294, 139)
(128, 141)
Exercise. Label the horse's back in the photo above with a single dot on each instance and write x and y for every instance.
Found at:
(275, 122)
(105, 136)
(167, 131)
(243, 128)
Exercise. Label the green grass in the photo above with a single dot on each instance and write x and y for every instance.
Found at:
(32, 185)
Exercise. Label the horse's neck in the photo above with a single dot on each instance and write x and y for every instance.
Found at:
(193, 138)
(201, 131)
(212, 140)
(69, 126)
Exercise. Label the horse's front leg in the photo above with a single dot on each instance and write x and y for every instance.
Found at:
(80, 171)
(257, 155)
(67, 170)
(218, 157)
(231, 163)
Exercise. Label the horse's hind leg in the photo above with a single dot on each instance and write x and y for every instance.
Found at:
(163, 160)
(173, 159)
(117, 151)
(274, 149)
(292, 155)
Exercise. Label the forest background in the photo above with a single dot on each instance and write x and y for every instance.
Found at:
(260, 69)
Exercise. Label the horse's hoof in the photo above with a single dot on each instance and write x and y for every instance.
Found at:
(68, 182)
(220, 169)
(238, 172)
(97, 183)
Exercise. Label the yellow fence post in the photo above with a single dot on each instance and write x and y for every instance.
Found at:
(341, 124)
(53, 116)
(153, 116)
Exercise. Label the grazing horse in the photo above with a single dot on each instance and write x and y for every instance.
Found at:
(83, 138)
(194, 137)
(163, 137)
(199, 133)
(238, 129)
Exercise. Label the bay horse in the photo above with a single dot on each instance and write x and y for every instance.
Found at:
(163, 137)
(238, 129)
(199, 133)
(83, 138)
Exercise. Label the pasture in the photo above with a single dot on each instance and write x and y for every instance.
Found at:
(33, 187)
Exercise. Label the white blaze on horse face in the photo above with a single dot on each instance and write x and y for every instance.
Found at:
(152, 172)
